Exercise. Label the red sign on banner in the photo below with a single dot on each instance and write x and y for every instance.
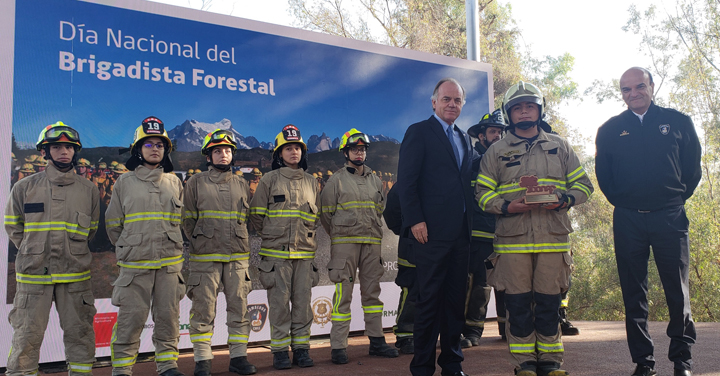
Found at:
(103, 325)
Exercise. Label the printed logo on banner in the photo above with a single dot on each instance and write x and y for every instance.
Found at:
(258, 314)
(321, 311)
(103, 326)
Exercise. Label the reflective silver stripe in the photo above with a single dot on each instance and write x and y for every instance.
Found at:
(286, 254)
(237, 338)
(170, 355)
(151, 264)
(52, 278)
(216, 257)
(356, 239)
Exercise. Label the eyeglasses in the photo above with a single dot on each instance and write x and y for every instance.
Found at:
(158, 146)
(358, 150)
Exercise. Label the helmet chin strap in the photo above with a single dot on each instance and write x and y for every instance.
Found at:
(62, 166)
(356, 163)
(525, 125)
(221, 167)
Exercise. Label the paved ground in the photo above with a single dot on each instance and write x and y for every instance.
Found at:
(600, 349)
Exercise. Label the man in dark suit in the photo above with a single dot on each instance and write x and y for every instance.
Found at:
(438, 212)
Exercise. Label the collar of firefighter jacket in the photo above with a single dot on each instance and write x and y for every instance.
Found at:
(58, 177)
(514, 140)
(217, 176)
(292, 173)
(145, 174)
(366, 170)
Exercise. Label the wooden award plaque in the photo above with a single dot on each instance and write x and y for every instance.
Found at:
(537, 194)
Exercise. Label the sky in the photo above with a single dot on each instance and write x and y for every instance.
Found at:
(589, 31)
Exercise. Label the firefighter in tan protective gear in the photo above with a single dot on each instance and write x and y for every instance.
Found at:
(143, 222)
(531, 261)
(351, 206)
(284, 212)
(50, 216)
(214, 219)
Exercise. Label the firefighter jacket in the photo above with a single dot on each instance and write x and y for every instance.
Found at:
(216, 206)
(351, 207)
(483, 228)
(553, 161)
(285, 214)
(50, 217)
(143, 219)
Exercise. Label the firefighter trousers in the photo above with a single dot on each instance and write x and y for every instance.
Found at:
(345, 260)
(136, 292)
(29, 317)
(406, 305)
(205, 282)
(289, 281)
(533, 284)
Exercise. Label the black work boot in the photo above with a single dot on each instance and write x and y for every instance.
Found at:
(301, 358)
(172, 372)
(240, 365)
(406, 345)
(378, 347)
(465, 342)
(339, 356)
(281, 360)
(567, 328)
(202, 368)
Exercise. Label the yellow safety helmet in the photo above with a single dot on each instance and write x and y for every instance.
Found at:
(83, 163)
(197, 171)
(27, 168)
(102, 165)
(290, 134)
(40, 161)
(329, 173)
(114, 163)
(238, 172)
(31, 158)
(13, 156)
(151, 127)
(58, 133)
(353, 137)
(257, 172)
(190, 172)
(120, 169)
(219, 137)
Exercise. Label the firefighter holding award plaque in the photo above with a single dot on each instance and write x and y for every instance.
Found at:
(531, 178)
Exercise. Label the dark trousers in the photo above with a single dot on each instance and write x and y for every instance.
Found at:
(666, 232)
(442, 272)
(478, 295)
(406, 306)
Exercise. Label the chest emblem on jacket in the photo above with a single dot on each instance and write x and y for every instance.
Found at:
(665, 129)
(511, 152)
(624, 133)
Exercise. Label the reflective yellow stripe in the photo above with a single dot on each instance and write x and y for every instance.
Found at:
(166, 356)
(217, 257)
(151, 264)
(56, 226)
(483, 234)
(202, 337)
(582, 187)
(532, 248)
(486, 181)
(575, 175)
(300, 340)
(286, 254)
(356, 239)
(405, 263)
(280, 342)
(351, 205)
(237, 338)
(336, 315)
(13, 220)
(257, 210)
(550, 347)
(81, 367)
(372, 309)
(522, 347)
(218, 214)
(292, 214)
(153, 216)
(484, 199)
(52, 278)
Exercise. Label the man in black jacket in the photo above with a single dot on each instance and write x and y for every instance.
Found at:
(439, 215)
(648, 165)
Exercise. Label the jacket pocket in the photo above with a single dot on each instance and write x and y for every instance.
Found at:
(266, 270)
(83, 227)
(193, 282)
(244, 211)
(177, 209)
(347, 219)
(511, 226)
(122, 281)
(559, 223)
(338, 271)
(125, 244)
(272, 232)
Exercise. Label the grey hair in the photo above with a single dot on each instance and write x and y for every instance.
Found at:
(444, 80)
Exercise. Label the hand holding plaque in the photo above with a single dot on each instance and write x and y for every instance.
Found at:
(537, 194)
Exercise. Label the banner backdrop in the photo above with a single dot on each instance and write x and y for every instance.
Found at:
(102, 66)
